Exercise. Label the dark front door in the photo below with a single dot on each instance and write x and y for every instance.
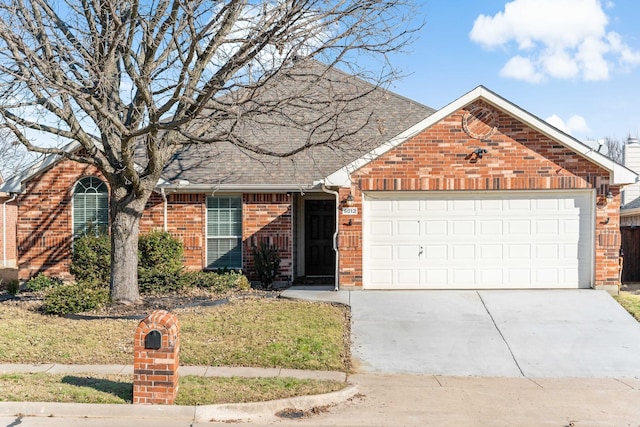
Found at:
(320, 224)
(631, 252)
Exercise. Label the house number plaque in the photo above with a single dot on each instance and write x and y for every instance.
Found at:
(350, 211)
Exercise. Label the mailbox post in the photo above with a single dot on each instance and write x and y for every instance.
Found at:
(155, 359)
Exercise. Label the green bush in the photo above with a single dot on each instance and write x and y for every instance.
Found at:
(159, 263)
(74, 298)
(91, 258)
(159, 249)
(41, 282)
(216, 282)
(266, 259)
(13, 287)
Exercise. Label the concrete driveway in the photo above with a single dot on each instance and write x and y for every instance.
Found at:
(510, 333)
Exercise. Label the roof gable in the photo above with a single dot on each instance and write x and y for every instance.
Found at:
(618, 173)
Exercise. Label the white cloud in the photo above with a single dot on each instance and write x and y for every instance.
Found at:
(572, 125)
(563, 39)
(521, 68)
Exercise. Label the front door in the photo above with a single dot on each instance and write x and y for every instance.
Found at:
(320, 224)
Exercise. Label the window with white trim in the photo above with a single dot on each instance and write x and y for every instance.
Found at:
(90, 206)
(224, 232)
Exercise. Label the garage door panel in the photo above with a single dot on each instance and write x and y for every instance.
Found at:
(463, 252)
(436, 227)
(547, 251)
(491, 277)
(436, 277)
(382, 252)
(380, 228)
(463, 227)
(436, 252)
(491, 252)
(519, 226)
(490, 228)
(518, 252)
(547, 226)
(408, 228)
(484, 240)
(407, 252)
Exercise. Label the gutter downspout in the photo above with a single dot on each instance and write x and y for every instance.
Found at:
(335, 236)
(4, 230)
(164, 210)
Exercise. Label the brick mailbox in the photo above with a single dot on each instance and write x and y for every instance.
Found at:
(155, 359)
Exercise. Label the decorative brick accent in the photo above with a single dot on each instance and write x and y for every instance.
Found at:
(517, 158)
(155, 370)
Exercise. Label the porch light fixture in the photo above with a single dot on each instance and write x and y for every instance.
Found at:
(603, 200)
(609, 197)
(349, 201)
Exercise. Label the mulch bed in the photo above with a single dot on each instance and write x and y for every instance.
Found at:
(147, 304)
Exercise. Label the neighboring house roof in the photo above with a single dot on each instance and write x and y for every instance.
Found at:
(631, 208)
(619, 174)
(224, 166)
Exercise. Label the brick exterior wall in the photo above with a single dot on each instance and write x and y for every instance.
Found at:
(44, 226)
(45, 221)
(518, 158)
(268, 218)
(9, 257)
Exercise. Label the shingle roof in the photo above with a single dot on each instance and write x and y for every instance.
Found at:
(634, 204)
(386, 115)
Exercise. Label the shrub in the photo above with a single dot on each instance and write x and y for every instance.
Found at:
(13, 287)
(216, 282)
(74, 298)
(266, 259)
(41, 282)
(91, 258)
(159, 249)
(159, 262)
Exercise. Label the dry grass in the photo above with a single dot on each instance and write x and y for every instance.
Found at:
(261, 333)
(630, 302)
(119, 389)
(266, 333)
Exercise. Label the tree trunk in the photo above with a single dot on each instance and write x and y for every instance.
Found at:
(125, 226)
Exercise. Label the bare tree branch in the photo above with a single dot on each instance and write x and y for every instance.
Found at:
(148, 77)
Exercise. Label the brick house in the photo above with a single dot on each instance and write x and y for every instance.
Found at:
(479, 194)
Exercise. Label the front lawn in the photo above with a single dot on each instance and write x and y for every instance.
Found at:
(259, 333)
(630, 302)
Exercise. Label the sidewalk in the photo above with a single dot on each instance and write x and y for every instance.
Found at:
(225, 412)
(373, 400)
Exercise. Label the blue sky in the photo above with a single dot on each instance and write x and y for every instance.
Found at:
(574, 63)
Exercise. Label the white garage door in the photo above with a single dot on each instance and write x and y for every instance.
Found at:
(478, 240)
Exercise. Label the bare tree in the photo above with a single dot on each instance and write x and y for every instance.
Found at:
(131, 81)
(13, 156)
(615, 149)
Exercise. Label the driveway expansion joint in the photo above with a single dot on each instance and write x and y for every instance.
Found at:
(501, 334)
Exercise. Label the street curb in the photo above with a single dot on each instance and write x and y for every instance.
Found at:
(206, 413)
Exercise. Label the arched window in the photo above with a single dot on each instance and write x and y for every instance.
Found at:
(90, 206)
